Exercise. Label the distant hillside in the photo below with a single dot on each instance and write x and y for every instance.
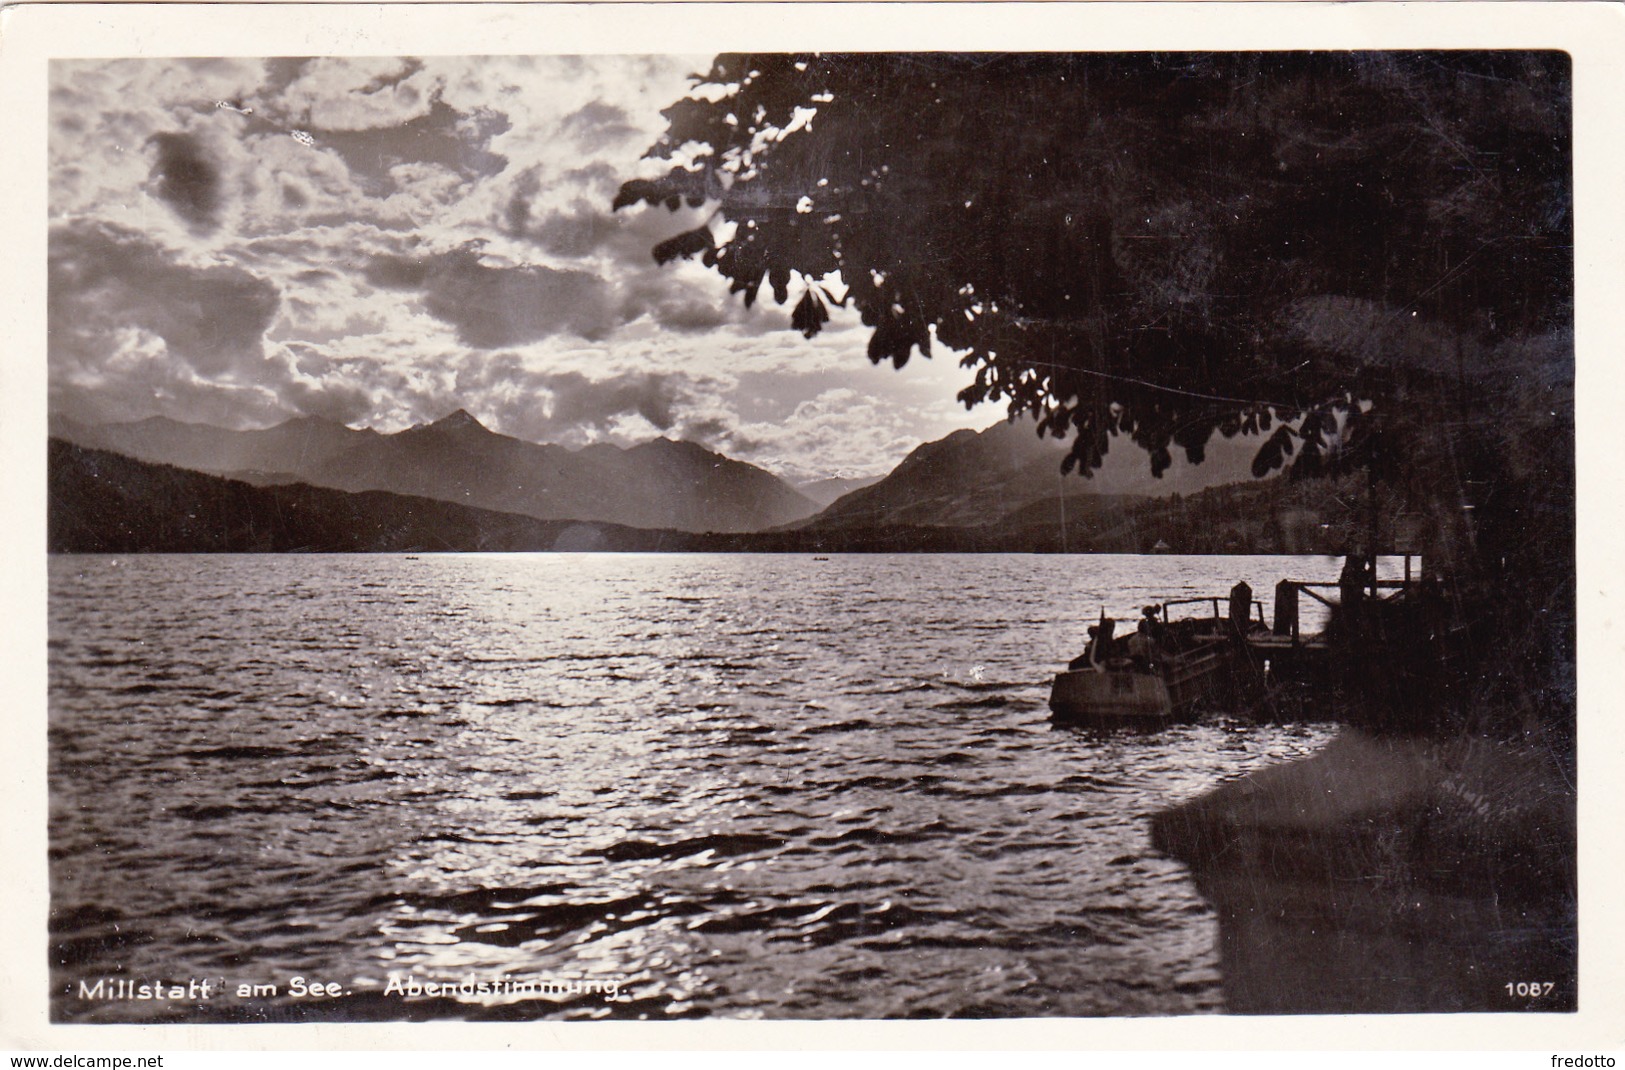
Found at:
(101, 502)
(1271, 516)
(973, 478)
(824, 492)
(659, 484)
(294, 446)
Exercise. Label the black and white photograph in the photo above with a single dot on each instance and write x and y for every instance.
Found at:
(861, 534)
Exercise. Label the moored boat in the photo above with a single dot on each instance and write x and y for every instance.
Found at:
(1161, 673)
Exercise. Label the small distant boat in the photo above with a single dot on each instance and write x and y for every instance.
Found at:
(1160, 673)
(820, 559)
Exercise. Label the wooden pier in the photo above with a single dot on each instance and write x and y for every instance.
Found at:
(1246, 662)
(1283, 653)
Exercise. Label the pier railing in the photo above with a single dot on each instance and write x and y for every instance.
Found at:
(1287, 591)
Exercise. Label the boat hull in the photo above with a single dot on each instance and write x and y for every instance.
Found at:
(1112, 695)
(1101, 695)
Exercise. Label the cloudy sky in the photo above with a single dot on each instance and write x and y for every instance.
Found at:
(382, 241)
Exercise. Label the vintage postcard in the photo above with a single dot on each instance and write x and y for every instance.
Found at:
(1089, 521)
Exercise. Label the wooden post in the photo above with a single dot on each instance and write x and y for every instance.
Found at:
(1286, 609)
(1371, 537)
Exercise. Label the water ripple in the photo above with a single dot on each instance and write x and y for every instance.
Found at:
(731, 786)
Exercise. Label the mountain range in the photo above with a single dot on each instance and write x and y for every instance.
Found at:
(978, 477)
(968, 480)
(658, 484)
(103, 502)
(825, 492)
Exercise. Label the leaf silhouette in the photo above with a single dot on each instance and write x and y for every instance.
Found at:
(779, 279)
(894, 340)
(684, 245)
(1273, 453)
(810, 314)
(638, 189)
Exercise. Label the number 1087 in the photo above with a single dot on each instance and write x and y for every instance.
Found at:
(1530, 988)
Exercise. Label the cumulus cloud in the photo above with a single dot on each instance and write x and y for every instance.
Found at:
(529, 399)
(441, 239)
(597, 124)
(689, 314)
(516, 214)
(359, 93)
(576, 402)
(103, 278)
(496, 306)
(309, 383)
(141, 379)
(569, 216)
(572, 233)
(185, 178)
(442, 137)
(839, 432)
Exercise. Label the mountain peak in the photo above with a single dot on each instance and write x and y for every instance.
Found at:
(676, 447)
(460, 420)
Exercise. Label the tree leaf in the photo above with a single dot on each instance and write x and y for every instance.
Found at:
(810, 314)
(1267, 459)
(638, 189)
(891, 341)
(684, 245)
(779, 278)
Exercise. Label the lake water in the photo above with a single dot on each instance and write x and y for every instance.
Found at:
(593, 786)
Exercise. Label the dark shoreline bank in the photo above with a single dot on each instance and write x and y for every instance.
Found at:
(1390, 874)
